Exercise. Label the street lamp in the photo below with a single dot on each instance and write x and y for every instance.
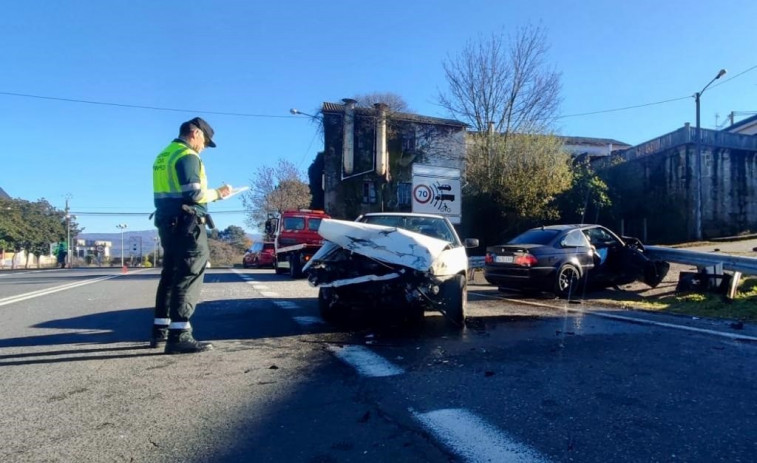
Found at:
(296, 111)
(122, 226)
(698, 211)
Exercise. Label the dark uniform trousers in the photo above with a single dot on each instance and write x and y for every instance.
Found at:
(185, 245)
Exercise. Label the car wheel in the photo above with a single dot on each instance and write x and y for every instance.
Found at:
(295, 270)
(455, 299)
(566, 281)
(329, 308)
(278, 269)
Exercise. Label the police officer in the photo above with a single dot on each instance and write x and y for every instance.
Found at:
(181, 197)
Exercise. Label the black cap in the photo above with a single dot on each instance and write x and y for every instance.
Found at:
(207, 130)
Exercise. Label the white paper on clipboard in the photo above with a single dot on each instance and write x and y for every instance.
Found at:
(237, 190)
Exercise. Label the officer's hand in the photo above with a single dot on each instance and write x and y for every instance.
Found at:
(224, 191)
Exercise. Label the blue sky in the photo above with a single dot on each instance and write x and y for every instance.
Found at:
(232, 61)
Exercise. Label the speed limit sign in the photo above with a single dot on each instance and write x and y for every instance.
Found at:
(422, 194)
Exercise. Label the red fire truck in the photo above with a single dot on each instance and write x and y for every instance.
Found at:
(296, 239)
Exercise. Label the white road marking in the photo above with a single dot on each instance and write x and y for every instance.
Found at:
(54, 289)
(309, 321)
(365, 362)
(475, 440)
(286, 305)
(638, 321)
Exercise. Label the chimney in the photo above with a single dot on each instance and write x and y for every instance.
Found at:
(348, 139)
(382, 157)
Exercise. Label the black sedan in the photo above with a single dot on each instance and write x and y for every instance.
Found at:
(563, 258)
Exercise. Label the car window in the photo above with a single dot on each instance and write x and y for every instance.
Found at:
(599, 237)
(387, 221)
(574, 239)
(268, 247)
(429, 226)
(256, 247)
(294, 223)
(313, 224)
(535, 236)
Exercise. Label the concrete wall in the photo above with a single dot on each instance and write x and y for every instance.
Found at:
(654, 191)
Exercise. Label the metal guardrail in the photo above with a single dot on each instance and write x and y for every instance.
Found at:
(475, 262)
(745, 265)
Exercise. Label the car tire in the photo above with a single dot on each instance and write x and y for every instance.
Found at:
(454, 294)
(331, 311)
(295, 269)
(567, 281)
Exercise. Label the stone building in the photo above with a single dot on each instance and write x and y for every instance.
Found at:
(369, 153)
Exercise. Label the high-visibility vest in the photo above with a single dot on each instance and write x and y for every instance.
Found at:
(165, 179)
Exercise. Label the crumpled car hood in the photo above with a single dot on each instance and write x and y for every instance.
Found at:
(386, 244)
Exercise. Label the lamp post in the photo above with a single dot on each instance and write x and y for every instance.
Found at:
(296, 111)
(122, 226)
(698, 210)
(69, 258)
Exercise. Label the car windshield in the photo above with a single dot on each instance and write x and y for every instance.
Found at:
(429, 226)
(313, 224)
(535, 236)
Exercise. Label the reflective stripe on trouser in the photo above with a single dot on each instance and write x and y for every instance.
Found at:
(185, 256)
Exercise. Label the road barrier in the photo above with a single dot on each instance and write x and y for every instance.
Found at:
(745, 265)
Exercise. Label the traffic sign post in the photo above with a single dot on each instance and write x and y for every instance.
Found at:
(436, 190)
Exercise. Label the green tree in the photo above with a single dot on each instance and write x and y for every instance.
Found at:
(514, 181)
(275, 190)
(587, 196)
(222, 253)
(31, 226)
(235, 237)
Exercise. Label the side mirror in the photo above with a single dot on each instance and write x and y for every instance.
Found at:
(471, 242)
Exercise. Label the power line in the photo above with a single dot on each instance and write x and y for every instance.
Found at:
(657, 102)
(623, 108)
(154, 108)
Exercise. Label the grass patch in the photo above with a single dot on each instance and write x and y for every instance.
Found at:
(742, 307)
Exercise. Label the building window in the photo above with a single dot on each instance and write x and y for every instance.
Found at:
(408, 142)
(369, 192)
(403, 193)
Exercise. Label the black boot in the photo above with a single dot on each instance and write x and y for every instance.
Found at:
(159, 335)
(182, 342)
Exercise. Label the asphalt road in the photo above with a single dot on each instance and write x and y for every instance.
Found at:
(528, 380)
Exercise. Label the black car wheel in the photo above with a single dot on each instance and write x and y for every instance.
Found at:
(566, 281)
(328, 306)
(295, 269)
(454, 300)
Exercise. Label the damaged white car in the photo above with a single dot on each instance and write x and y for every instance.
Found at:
(401, 262)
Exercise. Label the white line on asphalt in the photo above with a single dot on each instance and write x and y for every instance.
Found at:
(475, 440)
(640, 321)
(286, 305)
(309, 321)
(365, 362)
(55, 289)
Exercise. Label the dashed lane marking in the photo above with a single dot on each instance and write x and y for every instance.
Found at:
(365, 362)
(309, 321)
(475, 440)
(286, 305)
